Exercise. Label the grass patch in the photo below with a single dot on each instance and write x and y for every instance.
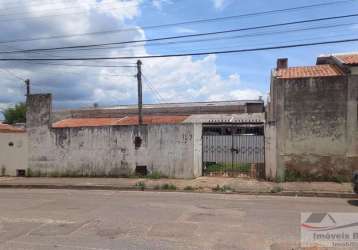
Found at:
(223, 189)
(228, 167)
(140, 185)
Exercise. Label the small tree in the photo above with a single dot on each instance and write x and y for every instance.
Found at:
(16, 114)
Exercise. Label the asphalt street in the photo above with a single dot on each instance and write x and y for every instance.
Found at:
(33, 219)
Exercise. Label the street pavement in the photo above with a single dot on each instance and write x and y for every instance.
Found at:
(34, 219)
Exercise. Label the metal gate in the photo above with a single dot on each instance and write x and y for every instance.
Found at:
(233, 150)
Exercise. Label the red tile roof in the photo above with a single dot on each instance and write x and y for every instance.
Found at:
(86, 122)
(351, 59)
(130, 120)
(5, 128)
(309, 71)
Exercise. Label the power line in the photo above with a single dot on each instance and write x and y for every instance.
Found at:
(83, 65)
(178, 23)
(57, 15)
(155, 91)
(13, 74)
(215, 38)
(184, 54)
(88, 2)
(184, 36)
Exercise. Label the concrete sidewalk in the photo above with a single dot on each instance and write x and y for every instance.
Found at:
(202, 184)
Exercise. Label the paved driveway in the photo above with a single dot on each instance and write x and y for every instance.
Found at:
(89, 220)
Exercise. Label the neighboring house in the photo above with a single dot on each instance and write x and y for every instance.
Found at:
(13, 150)
(311, 123)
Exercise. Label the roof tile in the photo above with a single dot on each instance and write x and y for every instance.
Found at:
(351, 59)
(5, 128)
(309, 71)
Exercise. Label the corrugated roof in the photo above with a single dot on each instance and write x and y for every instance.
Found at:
(5, 128)
(227, 118)
(349, 59)
(103, 122)
(177, 105)
(133, 120)
(309, 71)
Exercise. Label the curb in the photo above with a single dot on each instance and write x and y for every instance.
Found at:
(108, 187)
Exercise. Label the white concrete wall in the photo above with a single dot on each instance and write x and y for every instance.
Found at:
(172, 150)
(13, 157)
(270, 152)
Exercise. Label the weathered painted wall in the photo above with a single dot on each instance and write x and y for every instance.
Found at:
(315, 126)
(172, 150)
(13, 153)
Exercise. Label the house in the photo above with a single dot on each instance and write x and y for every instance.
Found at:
(13, 150)
(109, 141)
(311, 124)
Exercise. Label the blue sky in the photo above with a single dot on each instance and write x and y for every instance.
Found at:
(221, 77)
(254, 67)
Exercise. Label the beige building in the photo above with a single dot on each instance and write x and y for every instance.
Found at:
(13, 151)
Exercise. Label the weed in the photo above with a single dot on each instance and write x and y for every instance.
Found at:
(189, 188)
(167, 186)
(156, 187)
(3, 171)
(156, 175)
(29, 172)
(294, 175)
(140, 185)
(223, 167)
(223, 189)
(276, 189)
(54, 174)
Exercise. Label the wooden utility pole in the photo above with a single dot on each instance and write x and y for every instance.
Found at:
(27, 82)
(140, 94)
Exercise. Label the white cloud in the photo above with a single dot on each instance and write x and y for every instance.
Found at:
(158, 4)
(219, 4)
(185, 30)
(176, 79)
(185, 79)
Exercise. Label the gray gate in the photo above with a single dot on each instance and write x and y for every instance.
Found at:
(234, 150)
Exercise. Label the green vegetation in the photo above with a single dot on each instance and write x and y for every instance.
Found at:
(167, 186)
(276, 189)
(140, 185)
(155, 175)
(189, 188)
(113, 173)
(16, 114)
(294, 175)
(3, 171)
(228, 167)
(223, 189)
